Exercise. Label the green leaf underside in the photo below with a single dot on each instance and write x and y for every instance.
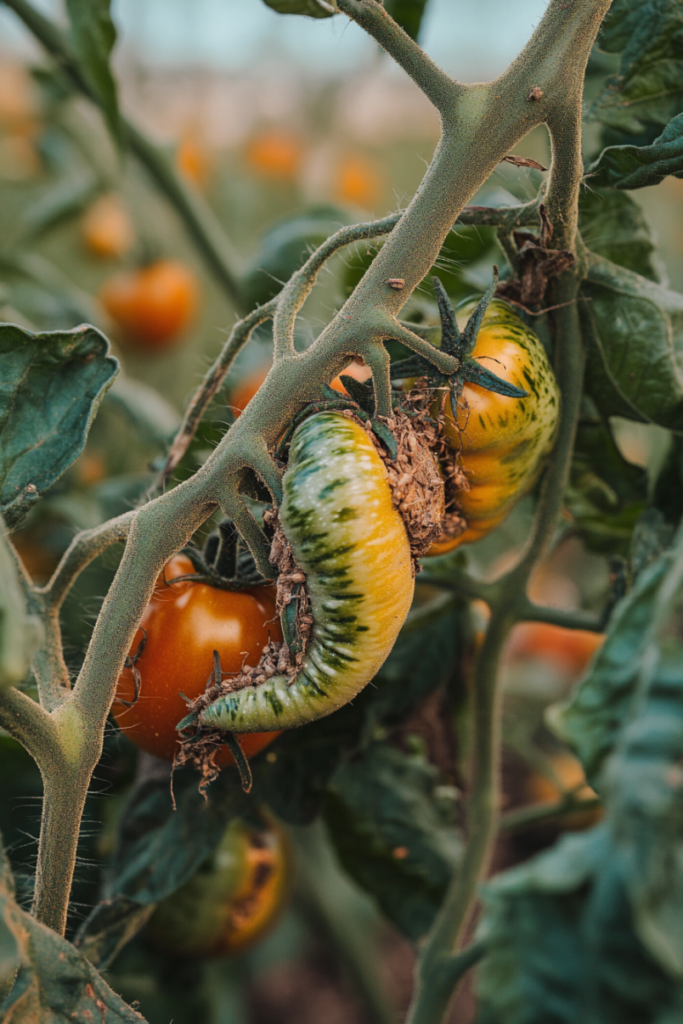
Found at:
(649, 87)
(52, 385)
(391, 836)
(310, 8)
(93, 35)
(55, 984)
(634, 331)
(631, 167)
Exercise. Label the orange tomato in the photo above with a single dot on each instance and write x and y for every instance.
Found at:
(249, 385)
(153, 304)
(569, 649)
(275, 154)
(569, 771)
(185, 623)
(107, 229)
(358, 180)
(192, 160)
(18, 101)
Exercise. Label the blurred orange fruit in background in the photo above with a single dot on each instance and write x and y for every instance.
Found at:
(275, 154)
(152, 304)
(107, 229)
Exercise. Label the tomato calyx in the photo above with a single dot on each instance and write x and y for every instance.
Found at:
(460, 345)
(225, 562)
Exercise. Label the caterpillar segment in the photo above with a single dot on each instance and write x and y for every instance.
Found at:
(350, 542)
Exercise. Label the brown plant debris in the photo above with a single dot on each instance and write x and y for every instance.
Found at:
(537, 264)
(523, 161)
(535, 94)
(198, 748)
(453, 523)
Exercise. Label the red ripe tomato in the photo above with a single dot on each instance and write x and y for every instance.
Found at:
(153, 304)
(185, 623)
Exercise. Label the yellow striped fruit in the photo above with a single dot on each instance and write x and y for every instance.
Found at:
(349, 540)
(502, 441)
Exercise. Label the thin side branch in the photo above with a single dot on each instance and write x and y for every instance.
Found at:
(437, 86)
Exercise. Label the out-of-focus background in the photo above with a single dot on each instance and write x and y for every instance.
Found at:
(266, 117)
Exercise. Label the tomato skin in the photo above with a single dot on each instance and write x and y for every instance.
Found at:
(503, 441)
(185, 622)
(569, 649)
(234, 897)
(153, 304)
(107, 228)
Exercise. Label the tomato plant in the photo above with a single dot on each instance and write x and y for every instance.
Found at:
(153, 305)
(184, 623)
(233, 898)
(431, 720)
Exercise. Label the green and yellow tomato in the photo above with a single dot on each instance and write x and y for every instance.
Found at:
(502, 441)
(351, 544)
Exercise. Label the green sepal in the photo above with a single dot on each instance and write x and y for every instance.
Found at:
(187, 721)
(243, 767)
(288, 623)
(473, 325)
(473, 373)
(361, 393)
(384, 434)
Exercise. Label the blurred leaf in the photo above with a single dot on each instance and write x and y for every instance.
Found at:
(644, 792)
(159, 848)
(613, 225)
(391, 836)
(311, 8)
(60, 203)
(424, 658)
(19, 633)
(93, 35)
(634, 330)
(668, 491)
(408, 14)
(591, 719)
(640, 166)
(591, 931)
(561, 948)
(55, 983)
(286, 247)
(150, 413)
(53, 385)
(649, 86)
(606, 494)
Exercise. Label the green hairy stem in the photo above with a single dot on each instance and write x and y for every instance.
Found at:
(481, 123)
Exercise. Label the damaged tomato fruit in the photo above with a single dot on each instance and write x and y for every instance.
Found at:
(172, 656)
(234, 897)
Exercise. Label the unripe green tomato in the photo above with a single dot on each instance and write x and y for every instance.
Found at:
(231, 901)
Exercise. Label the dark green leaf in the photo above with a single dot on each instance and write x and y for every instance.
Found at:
(408, 14)
(592, 718)
(286, 247)
(311, 8)
(93, 36)
(634, 330)
(55, 984)
(53, 384)
(158, 849)
(19, 633)
(606, 494)
(649, 87)
(640, 166)
(613, 225)
(391, 836)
